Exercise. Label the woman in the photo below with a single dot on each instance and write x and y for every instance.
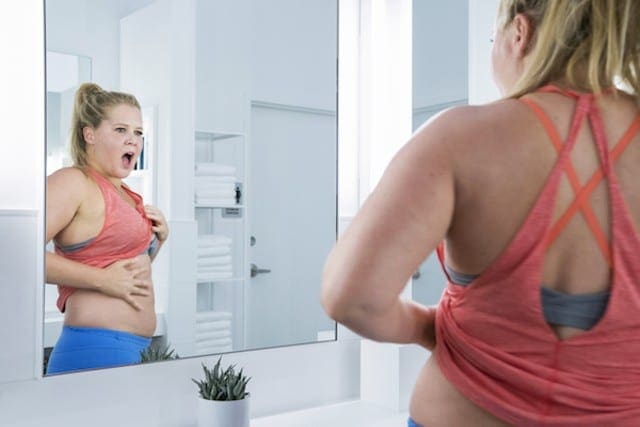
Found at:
(105, 238)
(536, 199)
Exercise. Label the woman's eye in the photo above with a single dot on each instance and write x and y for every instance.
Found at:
(138, 133)
(121, 130)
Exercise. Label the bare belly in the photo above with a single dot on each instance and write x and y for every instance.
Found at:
(93, 309)
(436, 402)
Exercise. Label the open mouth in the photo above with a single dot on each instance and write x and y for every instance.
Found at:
(127, 159)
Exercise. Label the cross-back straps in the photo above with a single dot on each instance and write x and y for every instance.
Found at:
(585, 108)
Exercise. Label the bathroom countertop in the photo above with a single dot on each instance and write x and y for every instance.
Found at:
(347, 414)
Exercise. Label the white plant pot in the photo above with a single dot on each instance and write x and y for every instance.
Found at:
(223, 413)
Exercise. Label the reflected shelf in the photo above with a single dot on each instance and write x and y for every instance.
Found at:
(226, 280)
(205, 206)
(216, 135)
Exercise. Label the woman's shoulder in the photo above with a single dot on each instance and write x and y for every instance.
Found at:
(478, 125)
(69, 178)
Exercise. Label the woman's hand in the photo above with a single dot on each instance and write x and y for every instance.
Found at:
(427, 331)
(127, 278)
(159, 224)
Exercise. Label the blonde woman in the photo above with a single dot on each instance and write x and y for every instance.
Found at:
(105, 238)
(535, 198)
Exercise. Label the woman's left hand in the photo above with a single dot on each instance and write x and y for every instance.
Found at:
(158, 223)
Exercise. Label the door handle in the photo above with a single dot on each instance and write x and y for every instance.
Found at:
(255, 270)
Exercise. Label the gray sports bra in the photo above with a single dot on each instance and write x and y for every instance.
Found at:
(578, 311)
(151, 249)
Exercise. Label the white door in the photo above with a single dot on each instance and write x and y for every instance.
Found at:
(292, 202)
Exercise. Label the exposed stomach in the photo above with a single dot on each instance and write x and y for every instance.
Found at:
(435, 402)
(85, 308)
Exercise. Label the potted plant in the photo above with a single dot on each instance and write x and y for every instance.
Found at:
(223, 400)
(155, 353)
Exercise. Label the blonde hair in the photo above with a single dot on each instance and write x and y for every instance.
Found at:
(91, 106)
(599, 36)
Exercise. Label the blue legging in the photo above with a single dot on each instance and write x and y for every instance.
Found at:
(411, 423)
(81, 348)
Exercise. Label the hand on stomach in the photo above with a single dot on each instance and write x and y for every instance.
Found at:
(126, 303)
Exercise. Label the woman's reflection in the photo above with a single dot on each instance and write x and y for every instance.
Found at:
(105, 238)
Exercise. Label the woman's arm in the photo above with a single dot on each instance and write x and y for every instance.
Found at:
(122, 279)
(400, 224)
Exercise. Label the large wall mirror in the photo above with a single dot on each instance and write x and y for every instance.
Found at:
(440, 58)
(239, 151)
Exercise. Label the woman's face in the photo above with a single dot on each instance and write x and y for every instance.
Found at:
(114, 146)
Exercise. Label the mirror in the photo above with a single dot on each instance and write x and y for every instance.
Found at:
(238, 105)
(440, 81)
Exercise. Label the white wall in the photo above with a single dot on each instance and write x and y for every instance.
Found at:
(440, 54)
(481, 86)
(98, 22)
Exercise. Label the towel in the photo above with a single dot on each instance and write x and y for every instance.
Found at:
(214, 343)
(214, 169)
(213, 350)
(204, 316)
(215, 179)
(215, 251)
(203, 336)
(226, 202)
(207, 183)
(214, 260)
(215, 268)
(214, 326)
(213, 276)
(216, 193)
(213, 240)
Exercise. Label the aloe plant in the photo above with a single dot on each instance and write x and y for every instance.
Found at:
(155, 353)
(219, 384)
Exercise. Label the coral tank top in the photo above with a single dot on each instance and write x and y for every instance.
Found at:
(126, 233)
(494, 345)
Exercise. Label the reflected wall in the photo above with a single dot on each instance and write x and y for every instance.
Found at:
(440, 76)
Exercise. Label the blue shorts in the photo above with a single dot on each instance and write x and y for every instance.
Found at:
(411, 423)
(81, 348)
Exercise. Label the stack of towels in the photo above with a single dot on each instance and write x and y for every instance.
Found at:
(215, 184)
(213, 332)
(214, 258)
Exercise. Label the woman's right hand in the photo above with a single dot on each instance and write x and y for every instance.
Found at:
(127, 278)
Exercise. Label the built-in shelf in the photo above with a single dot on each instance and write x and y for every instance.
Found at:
(218, 206)
(216, 135)
(229, 279)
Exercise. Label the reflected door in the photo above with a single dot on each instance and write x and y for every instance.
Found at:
(292, 200)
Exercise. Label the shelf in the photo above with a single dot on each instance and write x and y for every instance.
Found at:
(217, 135)
(229, 279)
(219, 206)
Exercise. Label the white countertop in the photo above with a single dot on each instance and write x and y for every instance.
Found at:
(354, 413)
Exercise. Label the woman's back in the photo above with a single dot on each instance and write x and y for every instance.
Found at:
(504, 162)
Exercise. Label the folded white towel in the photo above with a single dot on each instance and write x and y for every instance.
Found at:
(215, 179)
(216, 342)
(215, 268)
(213, 350)
(214, 260)
(215, 251)
(213, 335)
(217, 325)
(208, 316)
(216, 194)
(213, 240)
(203, 186)
(213, 276)
(228, 202)
(214, 169)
